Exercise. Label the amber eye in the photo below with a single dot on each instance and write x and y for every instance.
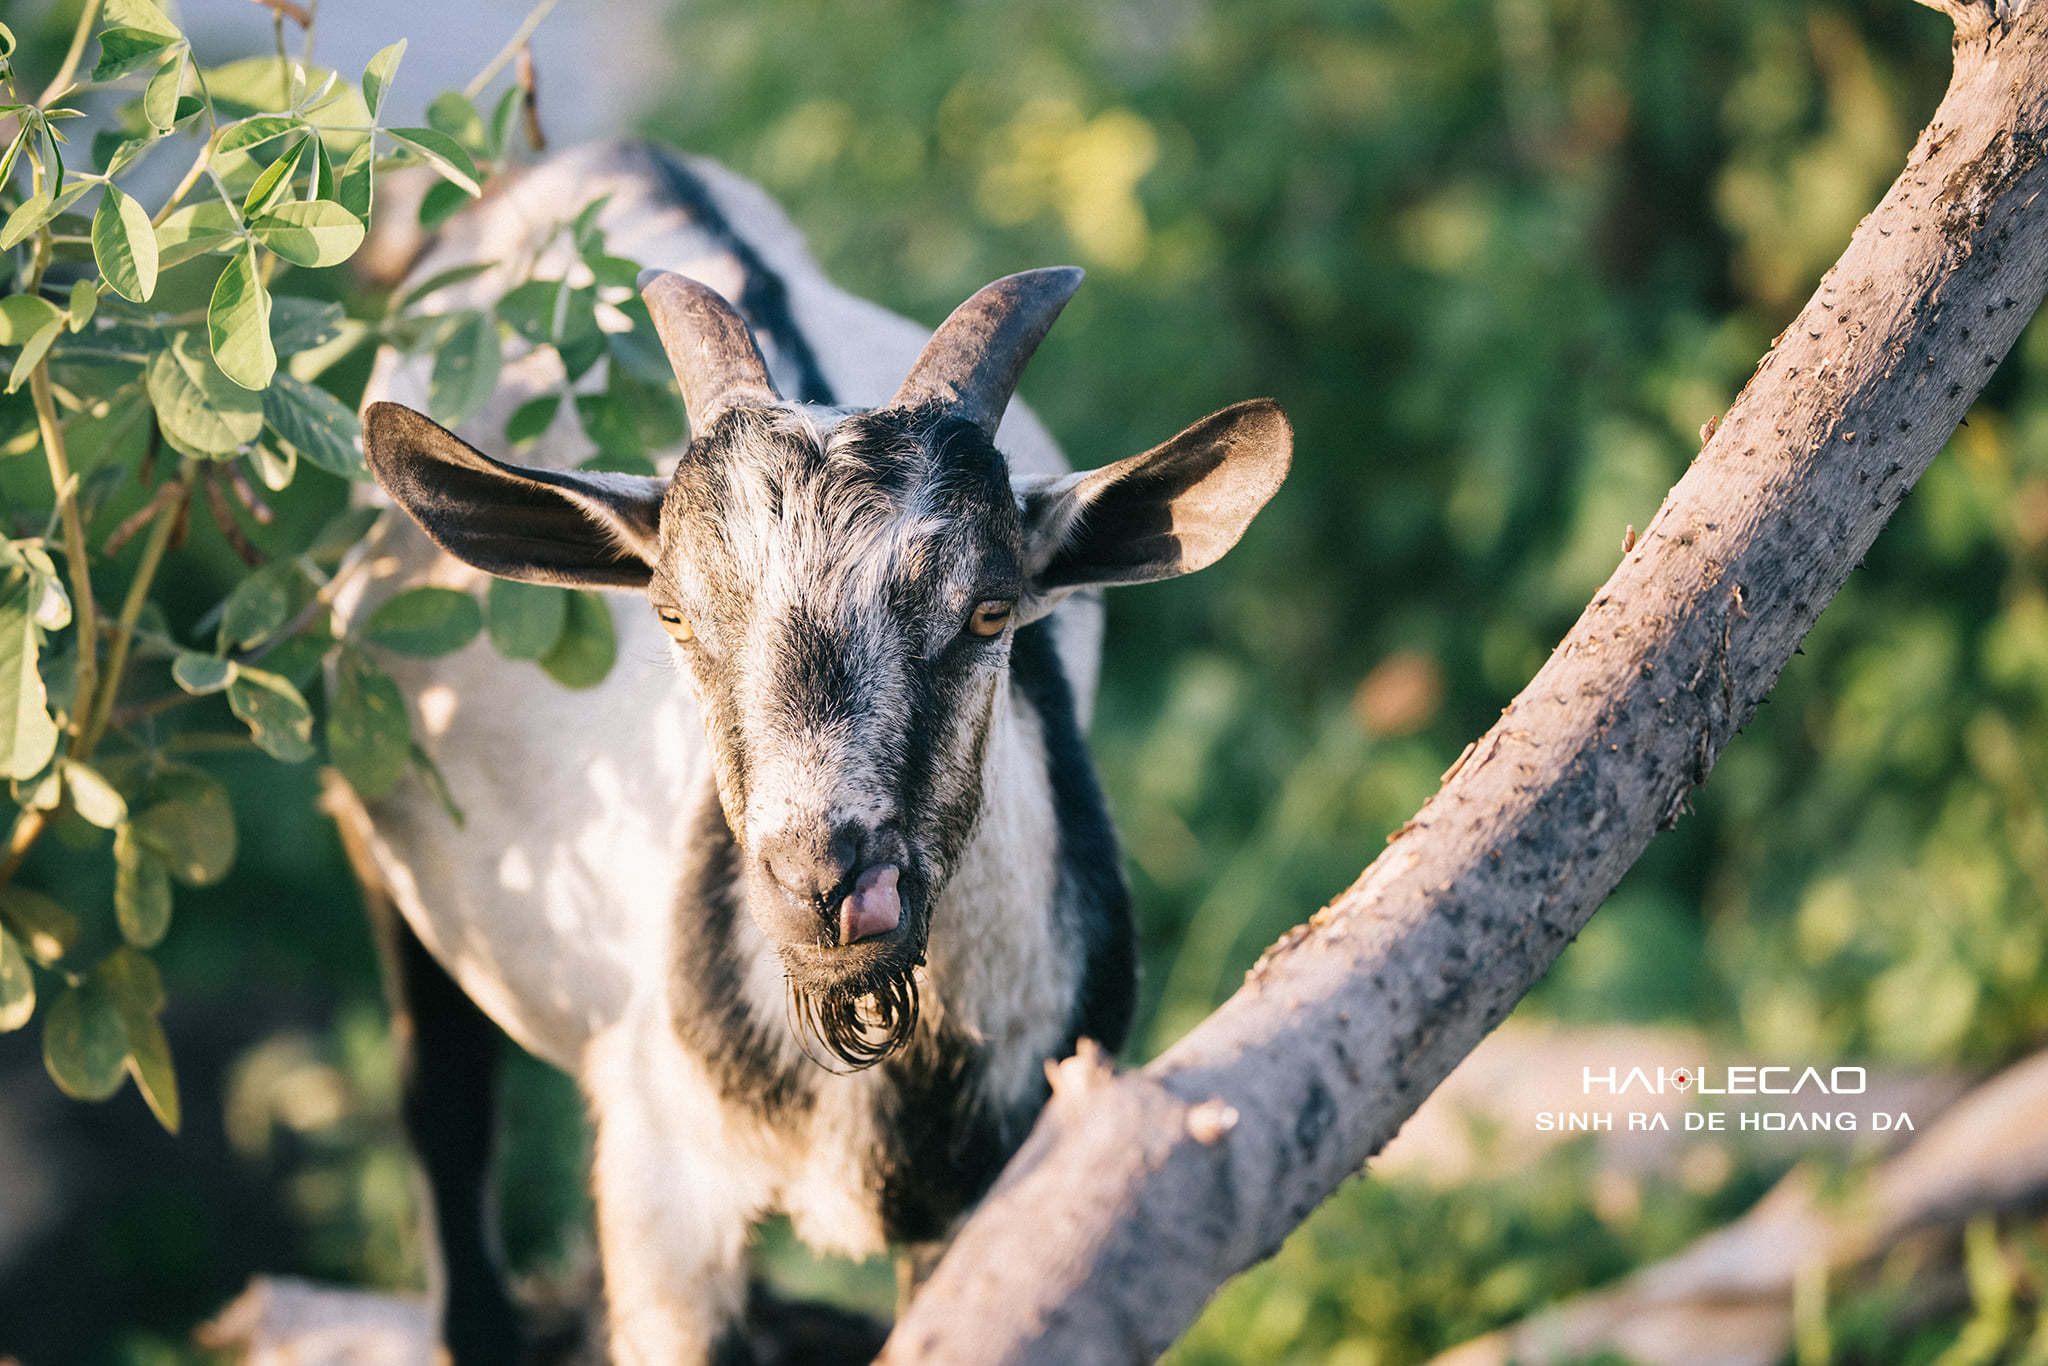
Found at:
(990, 617)
(675, 623)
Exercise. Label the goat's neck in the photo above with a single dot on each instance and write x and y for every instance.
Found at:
(999, 964)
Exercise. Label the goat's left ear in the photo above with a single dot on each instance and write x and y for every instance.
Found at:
(573, 527)
(1172, 510)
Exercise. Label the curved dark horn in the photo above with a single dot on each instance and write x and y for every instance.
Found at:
(708, 346)
(971, 365)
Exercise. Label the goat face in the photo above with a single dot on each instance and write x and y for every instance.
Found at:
(843, 587)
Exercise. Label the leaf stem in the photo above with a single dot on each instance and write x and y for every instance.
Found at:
(185, 186)
(26, 829)
(131, 607)
(510, 50)
(62, 80)
(83, 610)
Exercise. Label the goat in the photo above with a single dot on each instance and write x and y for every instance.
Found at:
(808, 923)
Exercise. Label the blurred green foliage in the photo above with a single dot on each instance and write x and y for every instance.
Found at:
(1501, 259)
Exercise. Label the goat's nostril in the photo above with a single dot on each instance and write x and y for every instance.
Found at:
(810, 866)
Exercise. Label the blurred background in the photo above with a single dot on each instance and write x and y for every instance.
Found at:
(1500, 259)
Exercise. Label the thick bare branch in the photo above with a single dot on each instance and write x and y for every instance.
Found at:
(1136, 1196)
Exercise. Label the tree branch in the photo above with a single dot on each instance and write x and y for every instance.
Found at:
(1137, 1196)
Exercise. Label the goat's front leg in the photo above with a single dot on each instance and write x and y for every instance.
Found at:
(674, 1205)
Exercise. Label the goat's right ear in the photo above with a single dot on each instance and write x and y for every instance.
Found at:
(571, 527)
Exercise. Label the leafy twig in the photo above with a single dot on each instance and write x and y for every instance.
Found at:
(138, 597)
(83, 610)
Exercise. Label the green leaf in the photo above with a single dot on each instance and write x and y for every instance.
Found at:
(85, 301)
(28, 736)
(615, 271)
(257, 131)
(320, 233)
(465, 373)
(37, 211)
(527, 619)
(43, 926)
(441, 152)
(52, 603)
(93, 797)
(588, 237)
(136, 988)
(453, 113)
(608, 424)
(341, 534)
(193, 231)
(368, 736)
(297, 661)
(378, 75)
(425, 622)
(276, 715)
(437, 783)
(124, 245)
(442, 201)
(149, 1062)
(354, 189)
(125, 51)
(200, 674)
(32, 353)
(531, 418)
(14, 146)
(274, 186)
(189, 824)
(84, 1046)
(142, 891)
(160, 96)
(24, 315)
(319, 427)
(588, 647)
(439, 280)
(143, 15)
(320, 185)
(116, 153)
(274, 467)
(238, 323)
(530, 309)
(200, 410)
(17, 985)
(300, 324)
(502, 119)
(261, 605)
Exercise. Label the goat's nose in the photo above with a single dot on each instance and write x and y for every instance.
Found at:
(813, 864)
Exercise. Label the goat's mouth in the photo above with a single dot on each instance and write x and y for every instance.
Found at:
(857, 1004)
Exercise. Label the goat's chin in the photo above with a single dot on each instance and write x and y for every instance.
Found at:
(851, 1008)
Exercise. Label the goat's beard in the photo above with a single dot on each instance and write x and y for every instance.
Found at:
(859, 1028)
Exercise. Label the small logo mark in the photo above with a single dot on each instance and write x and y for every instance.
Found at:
(1682, 1080)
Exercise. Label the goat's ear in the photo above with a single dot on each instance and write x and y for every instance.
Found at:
(572, 527)
(1172, 510)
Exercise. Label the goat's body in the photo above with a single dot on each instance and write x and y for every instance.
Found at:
(591, 902)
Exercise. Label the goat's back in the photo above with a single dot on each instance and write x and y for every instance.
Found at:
(550, 903)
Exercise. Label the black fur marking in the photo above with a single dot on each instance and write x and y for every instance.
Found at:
(945, 1139)
(1093, 895)
(709, 1007)
(764, 301)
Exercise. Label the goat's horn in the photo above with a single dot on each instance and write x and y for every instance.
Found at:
(708, 346)
(971, 365)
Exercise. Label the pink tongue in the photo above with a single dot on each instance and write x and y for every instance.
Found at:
(873, 908)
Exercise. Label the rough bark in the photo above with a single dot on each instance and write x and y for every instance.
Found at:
(1138, 1195)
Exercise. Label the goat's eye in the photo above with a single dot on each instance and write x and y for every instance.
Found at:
(990, 617)
(675, 623)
